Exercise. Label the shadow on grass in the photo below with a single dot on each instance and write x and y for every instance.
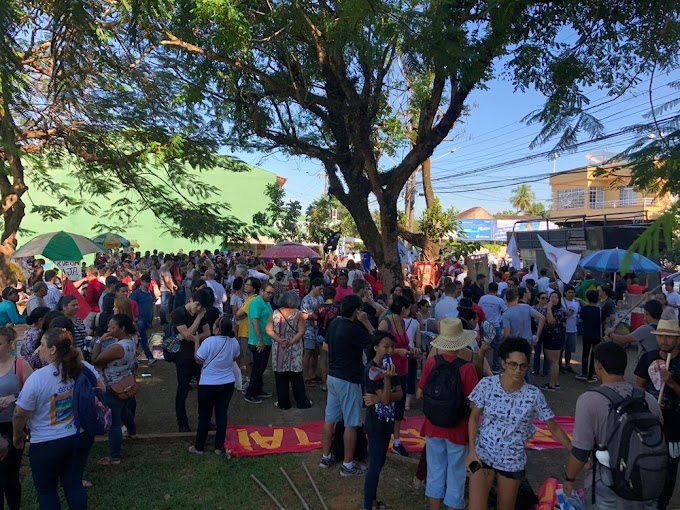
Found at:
(164, 475)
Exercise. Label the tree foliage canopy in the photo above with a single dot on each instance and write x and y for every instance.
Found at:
(323, 79)
(281, 218)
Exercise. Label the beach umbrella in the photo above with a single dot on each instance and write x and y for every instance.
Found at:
(110, 241)
(58, 246)
(287, 250)
(612, 261)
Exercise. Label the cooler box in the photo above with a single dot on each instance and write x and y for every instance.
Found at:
(637, 318)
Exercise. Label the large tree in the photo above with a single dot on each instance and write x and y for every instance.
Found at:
(79, 89)
(319, 78)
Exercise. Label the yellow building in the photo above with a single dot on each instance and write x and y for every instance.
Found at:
(602, 194)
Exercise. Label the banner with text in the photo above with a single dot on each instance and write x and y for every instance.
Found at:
(72, 269)
(251, 440)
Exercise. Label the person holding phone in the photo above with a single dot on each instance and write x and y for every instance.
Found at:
(508, 404)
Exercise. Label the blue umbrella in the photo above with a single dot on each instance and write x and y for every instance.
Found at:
(612, 261)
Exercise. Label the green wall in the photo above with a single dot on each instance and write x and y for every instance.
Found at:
(244, 191)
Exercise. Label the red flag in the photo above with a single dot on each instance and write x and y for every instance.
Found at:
(70, 290)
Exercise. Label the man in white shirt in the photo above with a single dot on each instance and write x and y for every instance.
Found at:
(543, 282)
(37, 299)
(672, 297)
(494, 307)
(217, 288)
(573, 307)
(53, 293)
(447, 306)
(502, 286)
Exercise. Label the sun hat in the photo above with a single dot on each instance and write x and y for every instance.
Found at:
(452, 336)
(668, 327)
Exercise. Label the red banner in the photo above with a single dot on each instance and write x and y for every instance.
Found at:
(250, 440)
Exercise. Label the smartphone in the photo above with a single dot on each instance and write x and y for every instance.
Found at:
(474, 466)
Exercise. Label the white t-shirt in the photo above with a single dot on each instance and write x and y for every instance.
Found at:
(673, 298)
(50, 402)
(575, 308)
(542, 284)
(219, 293)
(354, 273)
(446, 307)
(218, 354)
(412, 325)
(238, 302)
(502, 288)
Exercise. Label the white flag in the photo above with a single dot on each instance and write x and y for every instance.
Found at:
(534, 273)
(564, 261)
(513, 253)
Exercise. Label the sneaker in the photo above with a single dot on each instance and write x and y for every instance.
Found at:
(326, 462)
(184, 428)
(592, 379)
(150, 362)
(192, 449)
(252, 400)
(244, 387)
(557, 386)
(547, 387)
(581, 377)
(400, 450)
(264, 394)
(569, 369)
(356, 470)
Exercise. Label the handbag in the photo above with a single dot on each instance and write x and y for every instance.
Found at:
(124, 389)
(171, 345)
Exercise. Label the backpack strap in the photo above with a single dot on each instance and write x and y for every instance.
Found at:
(19, 370)
(614, 397)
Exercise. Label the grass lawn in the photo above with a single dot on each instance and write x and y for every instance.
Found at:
(164, 475)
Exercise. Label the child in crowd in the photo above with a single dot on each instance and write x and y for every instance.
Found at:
(382, 390)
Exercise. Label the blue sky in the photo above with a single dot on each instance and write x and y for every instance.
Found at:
(493, 133)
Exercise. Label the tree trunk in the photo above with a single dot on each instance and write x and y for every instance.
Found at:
(12, 219)
(427, 183)
(431, 250)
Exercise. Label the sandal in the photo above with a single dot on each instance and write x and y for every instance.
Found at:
(108, 461)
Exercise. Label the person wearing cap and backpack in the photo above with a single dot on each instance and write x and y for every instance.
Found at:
(652, 371)
(622, 427)
(445, 385)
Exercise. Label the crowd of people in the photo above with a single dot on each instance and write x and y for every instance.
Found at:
(228, 317)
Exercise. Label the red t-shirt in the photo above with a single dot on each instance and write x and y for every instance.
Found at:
(341, 293)
(92, 294)
(468, 376)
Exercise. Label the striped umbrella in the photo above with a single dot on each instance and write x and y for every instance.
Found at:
(109, 240)
(58, 246)
(612, 260)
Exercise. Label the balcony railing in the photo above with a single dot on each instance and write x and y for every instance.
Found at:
(614, 204)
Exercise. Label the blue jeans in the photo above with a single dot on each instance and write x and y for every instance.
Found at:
(537, 359)
(119, 413)
(166, 305)
(377, 453)
(495, 344)
(446, 471)
(211, 397)
(186, 369)
(260, 362)
(142, 326)
(60, 461)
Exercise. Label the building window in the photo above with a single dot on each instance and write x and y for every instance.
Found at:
(627, 196)
(596, 197)
(571, 198)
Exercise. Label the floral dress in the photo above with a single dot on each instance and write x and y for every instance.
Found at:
(29, 344)
(287, 359)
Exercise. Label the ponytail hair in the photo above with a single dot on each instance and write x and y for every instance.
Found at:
(66, 357)
(224, 324)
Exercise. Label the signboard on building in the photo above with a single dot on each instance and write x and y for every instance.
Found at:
(477, 230)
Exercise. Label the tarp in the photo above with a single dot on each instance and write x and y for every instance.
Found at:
(251, 440)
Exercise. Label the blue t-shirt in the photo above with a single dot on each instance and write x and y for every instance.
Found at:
(518, 319)
(145, 300)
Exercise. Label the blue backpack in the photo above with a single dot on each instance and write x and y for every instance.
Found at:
(89, 411)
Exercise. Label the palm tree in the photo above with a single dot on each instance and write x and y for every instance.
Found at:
(523, 198)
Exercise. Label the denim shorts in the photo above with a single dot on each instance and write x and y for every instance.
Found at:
(570, 342)
(343, 402)
(446, 471)
(512, 475)
(310, 343)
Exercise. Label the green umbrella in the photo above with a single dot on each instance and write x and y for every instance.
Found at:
(109, 240)
(58, 246)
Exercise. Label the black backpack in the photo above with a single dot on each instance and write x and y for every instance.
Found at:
(444, 403)
(638, 452)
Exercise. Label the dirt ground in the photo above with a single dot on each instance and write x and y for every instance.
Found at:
(155, 411)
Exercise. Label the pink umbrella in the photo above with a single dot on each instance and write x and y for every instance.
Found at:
(287, 250)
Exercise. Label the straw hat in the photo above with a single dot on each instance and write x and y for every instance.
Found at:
(667, 327)
(452, 336)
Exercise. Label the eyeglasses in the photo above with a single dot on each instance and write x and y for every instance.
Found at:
(512, 365)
